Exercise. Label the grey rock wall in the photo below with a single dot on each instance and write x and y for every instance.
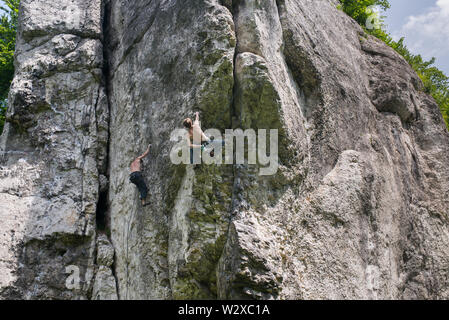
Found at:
(170, 249)
(356, 210)
(53, 151)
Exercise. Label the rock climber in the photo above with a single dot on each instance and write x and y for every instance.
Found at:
(136, 176)
(196, 138)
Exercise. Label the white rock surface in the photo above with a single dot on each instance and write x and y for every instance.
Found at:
(357, 209)
(52, 151)
(105, 286)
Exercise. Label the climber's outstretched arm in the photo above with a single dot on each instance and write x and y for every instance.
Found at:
(197, 122)
(145, 153)
(197, 117)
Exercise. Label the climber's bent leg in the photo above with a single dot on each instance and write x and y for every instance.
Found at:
(138, 180)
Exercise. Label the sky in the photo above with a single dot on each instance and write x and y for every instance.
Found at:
(425, 26)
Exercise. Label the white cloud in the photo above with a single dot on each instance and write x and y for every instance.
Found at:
(428, 33)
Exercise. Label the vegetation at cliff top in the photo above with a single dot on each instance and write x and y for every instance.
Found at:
(8, 27)
(436, 83)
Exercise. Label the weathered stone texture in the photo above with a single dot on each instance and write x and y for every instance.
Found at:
(358, 208)
(53, 150)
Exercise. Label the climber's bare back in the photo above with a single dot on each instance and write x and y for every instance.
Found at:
(136, 165)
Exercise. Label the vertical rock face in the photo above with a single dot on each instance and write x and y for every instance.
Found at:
(105, 285)
(53, 150)
(166, 60)
(357, 208)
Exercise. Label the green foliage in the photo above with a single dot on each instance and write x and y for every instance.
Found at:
(8, 28)
(359, 9)
(436, 83)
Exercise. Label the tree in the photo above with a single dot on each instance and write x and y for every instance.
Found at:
(8, 29)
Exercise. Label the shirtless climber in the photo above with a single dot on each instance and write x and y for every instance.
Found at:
(136, 177)
(195, 136)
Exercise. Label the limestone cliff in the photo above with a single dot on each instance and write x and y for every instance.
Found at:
(357, 209)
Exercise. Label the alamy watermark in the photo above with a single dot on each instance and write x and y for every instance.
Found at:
(257, 148)
(73, 279)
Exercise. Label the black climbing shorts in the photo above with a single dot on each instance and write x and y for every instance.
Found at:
(137, 179)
